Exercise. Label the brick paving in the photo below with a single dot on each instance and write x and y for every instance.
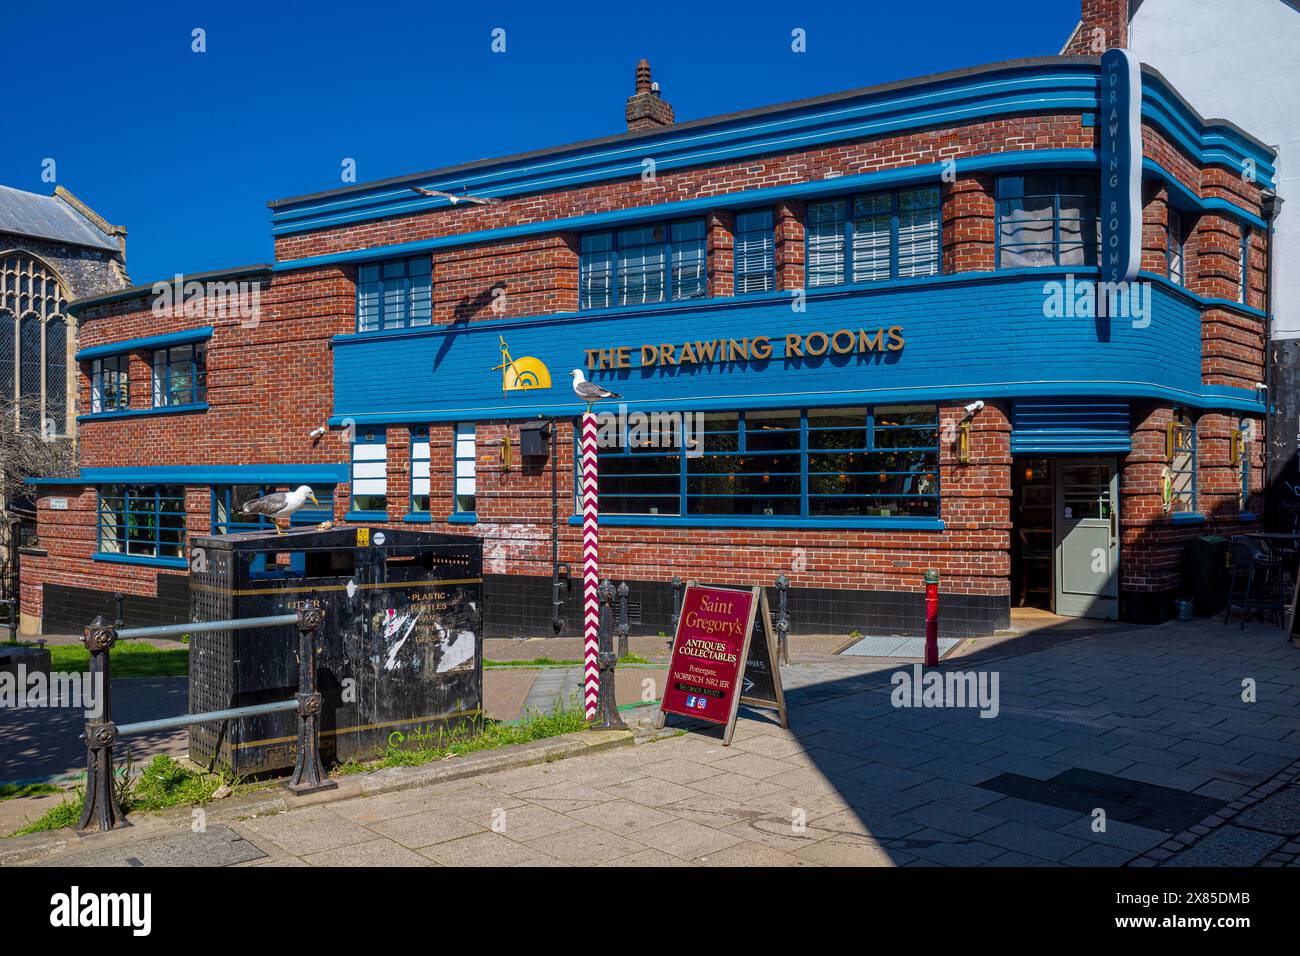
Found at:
(1154, 714)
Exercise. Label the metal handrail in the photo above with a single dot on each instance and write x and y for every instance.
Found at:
(308, 775)
(207, 627)
(184, 720)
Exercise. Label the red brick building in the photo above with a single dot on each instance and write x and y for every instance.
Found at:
(877, 310)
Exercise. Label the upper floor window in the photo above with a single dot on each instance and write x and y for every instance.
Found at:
(34, 346)
(755, 252)
(648, 263)
(1174, 241)
(110, 389)
(180, 375)
(397, 294)
(145, 521)
(868, 238)
(1047, 219)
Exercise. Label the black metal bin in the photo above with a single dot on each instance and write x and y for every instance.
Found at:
(400, 653)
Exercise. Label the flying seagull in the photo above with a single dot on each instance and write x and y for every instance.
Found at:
(476, 200)
(280, 505)
(589, 391)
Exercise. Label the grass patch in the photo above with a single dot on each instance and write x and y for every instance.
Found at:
(12, 791)
(164, 783)
(126, 659)
(470, 737)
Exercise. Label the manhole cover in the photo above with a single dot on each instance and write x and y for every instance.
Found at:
(904, 647)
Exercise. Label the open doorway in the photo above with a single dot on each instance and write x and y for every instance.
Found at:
(1032, 539)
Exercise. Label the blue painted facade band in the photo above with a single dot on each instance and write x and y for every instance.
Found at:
(984, 335)
(1065, 428)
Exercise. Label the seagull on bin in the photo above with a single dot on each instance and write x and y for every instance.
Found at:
(589, 391)
(280, 505)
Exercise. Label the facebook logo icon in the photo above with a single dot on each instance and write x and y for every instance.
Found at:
(690, 701)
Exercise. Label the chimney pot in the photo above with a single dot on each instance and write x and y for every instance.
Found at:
(646, 108)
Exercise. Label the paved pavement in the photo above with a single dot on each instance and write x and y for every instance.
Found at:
(1107, 746)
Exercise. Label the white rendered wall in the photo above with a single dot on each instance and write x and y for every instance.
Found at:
(1240, 60)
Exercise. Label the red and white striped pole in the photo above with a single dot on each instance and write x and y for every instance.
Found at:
(590, 568)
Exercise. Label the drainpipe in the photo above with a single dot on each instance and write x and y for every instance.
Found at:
(1269, 207)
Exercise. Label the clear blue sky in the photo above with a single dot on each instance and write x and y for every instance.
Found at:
(186, 148)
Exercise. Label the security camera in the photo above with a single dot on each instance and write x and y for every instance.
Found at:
(973, 409)
(317, 433)
(1261, 387)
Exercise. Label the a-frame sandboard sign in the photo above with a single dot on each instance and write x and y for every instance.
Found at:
(721, 659)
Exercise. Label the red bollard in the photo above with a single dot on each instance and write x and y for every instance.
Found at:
(931, 618)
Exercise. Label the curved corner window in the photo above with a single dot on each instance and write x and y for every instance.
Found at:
(1047, 219)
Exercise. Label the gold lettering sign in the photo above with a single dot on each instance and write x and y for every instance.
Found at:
(757, 349)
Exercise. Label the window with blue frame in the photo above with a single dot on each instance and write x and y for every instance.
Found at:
(1048, 219)
(110, 389)
(420, 470)
(143, 521)
(465, 479)
(1179, 493)
(397, 294)
(873, 237)
(370, 471)
(755, 251)
(1243, 451)
(1243, 289)
(227, 500)
(659, 262)
(1175, 239)
(822, 463)
(180, 375)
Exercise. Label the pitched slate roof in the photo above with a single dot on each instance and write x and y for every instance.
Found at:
(49, 217)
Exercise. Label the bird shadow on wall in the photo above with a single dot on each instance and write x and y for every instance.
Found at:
(463, 312)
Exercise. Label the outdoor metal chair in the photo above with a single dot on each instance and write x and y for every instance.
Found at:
(1262, 573)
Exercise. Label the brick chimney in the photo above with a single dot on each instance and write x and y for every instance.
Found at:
(646, 109)
(1102, 25)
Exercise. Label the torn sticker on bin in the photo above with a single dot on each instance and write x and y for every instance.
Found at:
(457, 652)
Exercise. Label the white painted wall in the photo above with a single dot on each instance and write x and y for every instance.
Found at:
(1240, 60)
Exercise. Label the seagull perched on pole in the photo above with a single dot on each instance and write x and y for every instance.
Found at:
(589, 391)
(453, 198)
(280, 505)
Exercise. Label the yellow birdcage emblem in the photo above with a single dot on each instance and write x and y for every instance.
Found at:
(521, 374)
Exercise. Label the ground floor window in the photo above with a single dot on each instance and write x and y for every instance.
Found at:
(227, 500)
(1179, 492)
(466, 489)
(420, 470)
(146, 521)
(824, 463)
(370, 471)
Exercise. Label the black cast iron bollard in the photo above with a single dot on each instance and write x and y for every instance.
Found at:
(623, 625)
(677, 608)
(783, 617)
(607, 717)
(101, 797)
(308, 774)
